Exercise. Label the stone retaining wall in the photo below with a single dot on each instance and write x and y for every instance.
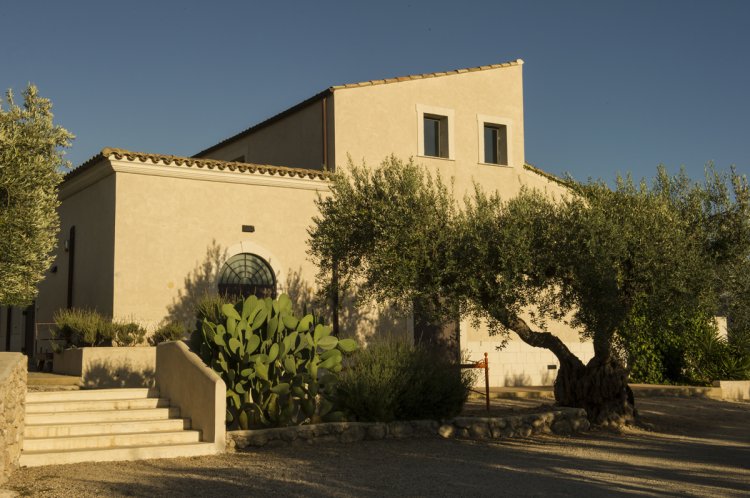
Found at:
(13, 376)
(563, 421)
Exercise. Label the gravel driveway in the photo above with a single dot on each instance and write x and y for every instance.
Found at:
(697, 447)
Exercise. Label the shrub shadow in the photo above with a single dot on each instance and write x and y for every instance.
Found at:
(106, 375)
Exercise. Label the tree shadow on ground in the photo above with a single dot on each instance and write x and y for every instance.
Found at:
(596, 464)
(635, 463)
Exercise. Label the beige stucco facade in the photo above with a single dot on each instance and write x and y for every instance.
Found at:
(174, 228)
(152, 231)
(372, 120)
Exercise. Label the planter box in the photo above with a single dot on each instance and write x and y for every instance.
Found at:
(108, 367)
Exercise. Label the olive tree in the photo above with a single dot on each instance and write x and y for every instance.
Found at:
(31, 158)
(588, 256)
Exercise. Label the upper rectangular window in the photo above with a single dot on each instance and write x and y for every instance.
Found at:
(495, 144)
(435, 136)
(494, 140)
(435, 132)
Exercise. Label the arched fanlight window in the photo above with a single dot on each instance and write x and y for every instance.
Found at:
(246, 275)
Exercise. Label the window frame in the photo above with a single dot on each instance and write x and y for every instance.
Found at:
(443, 115)
(496, 122)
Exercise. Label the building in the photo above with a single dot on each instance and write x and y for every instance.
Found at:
(144, 234)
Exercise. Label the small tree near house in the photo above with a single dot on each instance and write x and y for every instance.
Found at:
(31, 157)
(593, 254)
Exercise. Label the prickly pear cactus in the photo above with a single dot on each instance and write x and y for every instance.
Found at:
(279, 370)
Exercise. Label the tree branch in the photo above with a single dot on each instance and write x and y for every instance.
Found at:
(544, 340)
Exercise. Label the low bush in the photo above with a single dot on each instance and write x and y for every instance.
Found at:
(86, 328)
(82, 327)
(127, 333)
(209, 308)
(392, 380)
(715, 358)
(169, 331)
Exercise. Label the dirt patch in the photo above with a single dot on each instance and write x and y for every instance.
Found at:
(504, 407)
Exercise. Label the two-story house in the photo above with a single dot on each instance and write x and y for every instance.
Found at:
(144, 235)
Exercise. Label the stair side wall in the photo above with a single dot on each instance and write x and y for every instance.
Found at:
(197, 390)
(13, 379)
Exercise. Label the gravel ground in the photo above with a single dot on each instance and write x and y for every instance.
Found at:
(696, 447)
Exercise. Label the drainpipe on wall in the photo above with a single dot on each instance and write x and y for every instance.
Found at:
(325, 133)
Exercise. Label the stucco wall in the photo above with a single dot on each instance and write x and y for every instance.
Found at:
(17, 330)
(372, 122)
(12, 411)
(88, 203)
(175, 232)
(295, 141)
(199, 391)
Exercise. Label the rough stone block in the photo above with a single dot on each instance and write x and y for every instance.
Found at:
(463, 422)
(498, 423)
(479, 430)
(376, 431)
(289, 434)
(446, 431)
(306, 431)
(400, 429)
(579, 424)
(562, 427)
(257, 439)
(352, 434)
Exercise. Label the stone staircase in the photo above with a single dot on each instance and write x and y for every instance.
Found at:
(105, 425)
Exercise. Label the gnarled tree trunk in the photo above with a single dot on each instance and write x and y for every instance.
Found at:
(600, 387)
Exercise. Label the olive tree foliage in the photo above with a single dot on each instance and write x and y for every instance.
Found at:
(31, 158)
(589, 256)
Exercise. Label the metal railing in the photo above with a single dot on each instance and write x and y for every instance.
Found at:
(485, 365)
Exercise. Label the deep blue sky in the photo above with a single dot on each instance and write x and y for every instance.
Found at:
(610, 86)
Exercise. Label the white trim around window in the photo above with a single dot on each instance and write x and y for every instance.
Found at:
(483, 120)
(437, 112)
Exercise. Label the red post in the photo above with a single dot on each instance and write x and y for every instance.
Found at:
(487, 381)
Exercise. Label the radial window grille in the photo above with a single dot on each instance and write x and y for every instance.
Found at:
(247, 275)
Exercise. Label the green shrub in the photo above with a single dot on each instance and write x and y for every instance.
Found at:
(668, 350)
(714, 358)
(170, 331)
(393, 380)
(127, 333)
(278, 369)
(86, 328)
(82, 328)
(209, 308)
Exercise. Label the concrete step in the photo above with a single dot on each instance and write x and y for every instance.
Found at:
(39, 458)
(91, 394)
(102, 416)
(86, 429)
(110, 440)
(58, 407)
(50, 379)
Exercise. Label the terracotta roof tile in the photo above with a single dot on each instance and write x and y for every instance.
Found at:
(191, 162)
